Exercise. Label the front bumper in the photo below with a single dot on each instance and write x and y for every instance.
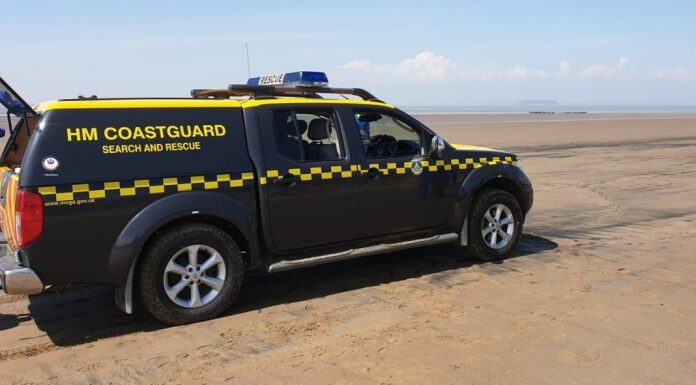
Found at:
(15, 278)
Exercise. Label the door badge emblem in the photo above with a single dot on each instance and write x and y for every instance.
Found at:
(416, 167)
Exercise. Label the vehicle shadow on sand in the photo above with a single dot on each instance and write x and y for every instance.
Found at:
(87, 314)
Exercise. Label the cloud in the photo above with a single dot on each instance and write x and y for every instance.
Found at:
(356, 64)
(520, 72)
(664, 73)
(517, 72)
(429, 66)
(425, 66)
(565, 68)
(482, 74)
(606, 71)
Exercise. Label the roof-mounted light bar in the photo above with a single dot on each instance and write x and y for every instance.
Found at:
(297, 79)
(256, 92)
(306, 84)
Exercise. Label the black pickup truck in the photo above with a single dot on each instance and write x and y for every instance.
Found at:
(172, 200)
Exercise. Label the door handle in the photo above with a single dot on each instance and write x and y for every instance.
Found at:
(288, 180)
(373, 173)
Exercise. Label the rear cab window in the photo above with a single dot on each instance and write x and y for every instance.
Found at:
(307, 135)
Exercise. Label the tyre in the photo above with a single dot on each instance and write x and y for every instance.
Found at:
(190, 273)
(495, 225)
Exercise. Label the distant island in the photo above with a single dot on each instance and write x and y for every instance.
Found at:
(538, 103)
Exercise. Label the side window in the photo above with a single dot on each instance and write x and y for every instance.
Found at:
(286, 135)
(306, 135)
(385, 136)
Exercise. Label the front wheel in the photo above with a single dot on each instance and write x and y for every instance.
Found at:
(190, 273)
(495, 225)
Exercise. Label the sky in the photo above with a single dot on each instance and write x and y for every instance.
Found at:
(410, 53)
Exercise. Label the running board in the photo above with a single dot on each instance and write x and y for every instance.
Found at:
(362, 252)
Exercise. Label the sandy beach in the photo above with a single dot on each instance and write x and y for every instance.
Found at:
(602, 288)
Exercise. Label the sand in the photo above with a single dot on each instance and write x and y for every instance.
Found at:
(602, 289)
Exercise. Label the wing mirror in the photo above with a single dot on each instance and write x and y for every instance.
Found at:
(437, 145)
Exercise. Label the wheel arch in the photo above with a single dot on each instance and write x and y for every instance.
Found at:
(227, 213)
(505, 177)
(505, 184)
(230, 228)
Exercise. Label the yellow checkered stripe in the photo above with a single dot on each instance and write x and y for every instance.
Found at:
(136, 187)
(445, 165)
(386, 168)
(314, 173)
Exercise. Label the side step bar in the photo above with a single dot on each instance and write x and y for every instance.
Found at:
(362, 252)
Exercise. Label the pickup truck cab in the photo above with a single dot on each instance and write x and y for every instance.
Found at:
(172, 200)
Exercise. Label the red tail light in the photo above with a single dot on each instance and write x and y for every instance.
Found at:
(29, 217)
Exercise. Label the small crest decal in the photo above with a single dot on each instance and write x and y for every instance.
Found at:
(50, 163)
(416, 167)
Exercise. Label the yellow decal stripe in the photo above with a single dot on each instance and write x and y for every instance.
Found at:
(101, 190)
(401, 168)
(138, 103)
(466, 147)
(264, 102)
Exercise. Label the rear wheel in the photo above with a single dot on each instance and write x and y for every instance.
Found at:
(495, 225)
(190, 273)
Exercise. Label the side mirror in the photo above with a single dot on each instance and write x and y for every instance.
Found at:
(437, 145)
(2, 132)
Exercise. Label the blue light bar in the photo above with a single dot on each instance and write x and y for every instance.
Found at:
(12, 105)
(297, 79)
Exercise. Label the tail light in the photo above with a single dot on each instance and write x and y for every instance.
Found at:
(29, 217)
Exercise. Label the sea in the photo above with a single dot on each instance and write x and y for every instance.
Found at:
(526, 109)
(550, 109)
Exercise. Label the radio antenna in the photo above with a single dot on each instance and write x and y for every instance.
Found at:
(246, 46)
